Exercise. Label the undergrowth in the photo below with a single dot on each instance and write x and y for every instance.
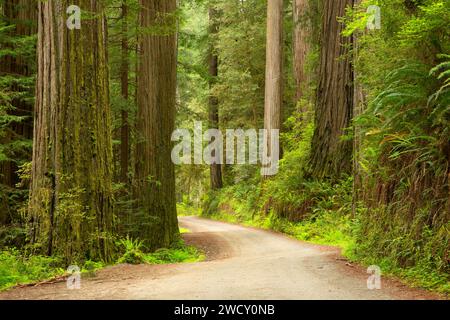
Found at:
(325, 213)
(17, 268)
(134, 253)
(334, 227)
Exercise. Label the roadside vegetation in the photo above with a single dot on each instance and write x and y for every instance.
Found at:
(18, 268)
(380, 190)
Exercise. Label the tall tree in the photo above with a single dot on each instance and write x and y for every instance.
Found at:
(154, 170)
(124, 69)
(301, 45)
(71, 208)
(215, 168)
(274, 72)
(358, 109)
(331, 156)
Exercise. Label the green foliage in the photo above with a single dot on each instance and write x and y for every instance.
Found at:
(193, 90)
(12, 236)
(17, 76)
(184, 230)
(18, 269)
(428, 27)
(179, 254)
(404, 153)
(326, 227)
(187, 209)
(241, 48)
(328, 222)
(283, 191)
(134, 253)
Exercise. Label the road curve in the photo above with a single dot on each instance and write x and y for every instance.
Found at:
(244, 263)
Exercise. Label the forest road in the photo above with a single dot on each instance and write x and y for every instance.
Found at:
(242, 263)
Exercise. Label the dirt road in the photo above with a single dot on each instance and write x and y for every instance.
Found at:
(243, 263)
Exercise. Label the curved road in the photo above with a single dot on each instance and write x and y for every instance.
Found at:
(243, 263)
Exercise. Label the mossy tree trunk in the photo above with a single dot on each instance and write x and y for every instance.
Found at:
(71, 201)
(332, 157)
(154, 192)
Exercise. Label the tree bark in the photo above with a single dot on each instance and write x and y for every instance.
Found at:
(301, 46)
(124, 132)
(358, 109)
(331, 157)
(215, 168)
(274, 72)
(71, 199)
(155, 172)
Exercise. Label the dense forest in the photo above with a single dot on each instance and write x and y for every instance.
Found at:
(358, 92)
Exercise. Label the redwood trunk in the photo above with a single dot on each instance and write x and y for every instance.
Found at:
(71, 209)
(331, 157)
(155, 172)
(274, 72)
(301, 46)
(215, 168)
(125, 131)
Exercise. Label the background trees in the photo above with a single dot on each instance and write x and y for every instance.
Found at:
(215, 168)
(18, 25)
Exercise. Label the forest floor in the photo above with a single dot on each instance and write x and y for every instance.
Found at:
(241, 263)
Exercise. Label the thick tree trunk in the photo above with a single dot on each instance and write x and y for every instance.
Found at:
(301, 45)
(71, 209)
(215, 168)
(274, 73)
(155, 172)
(331, 157)
(124, 132)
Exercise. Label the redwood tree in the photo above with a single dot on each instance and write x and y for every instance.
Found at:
(301, 45)
(71, 209)
(331, 156)
(156, 216)
(124, 69)
(274, 66)
(215, 168)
